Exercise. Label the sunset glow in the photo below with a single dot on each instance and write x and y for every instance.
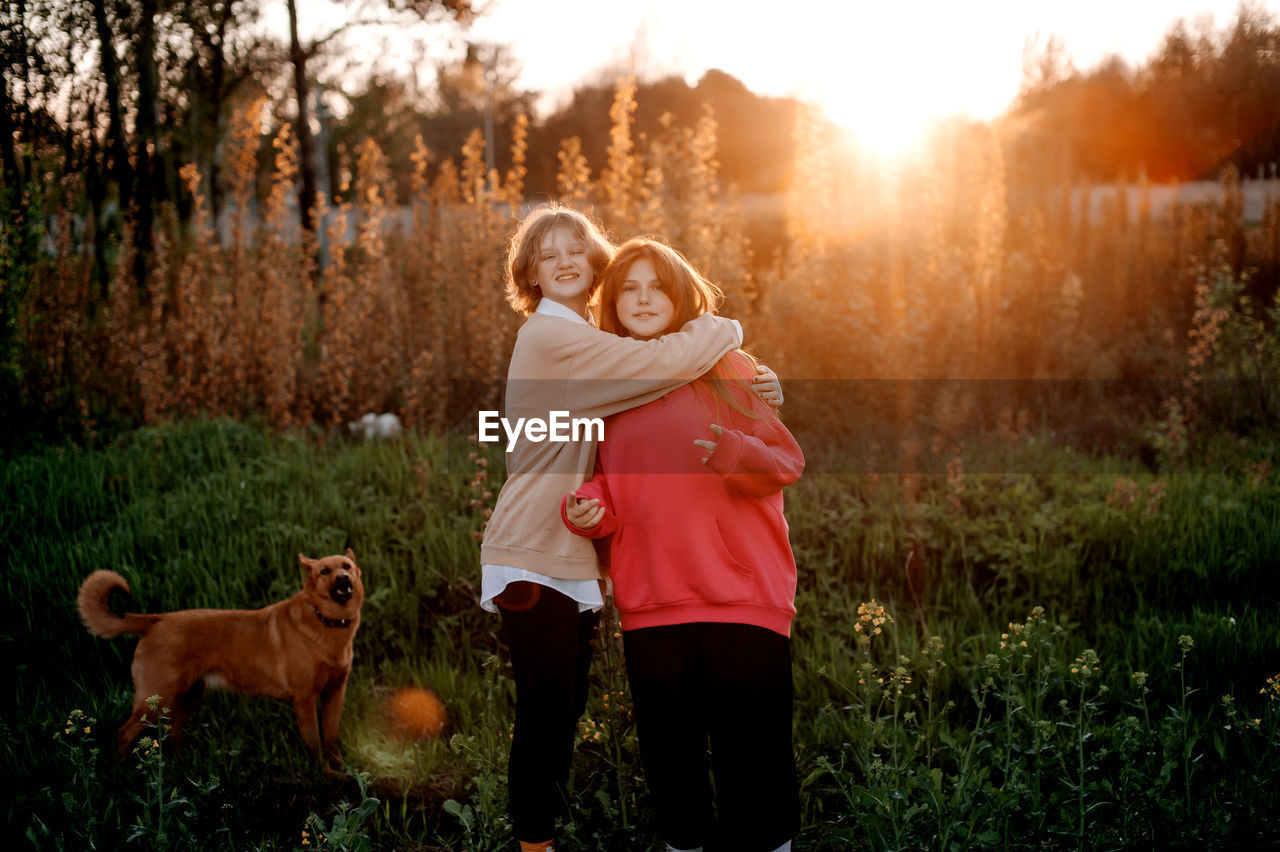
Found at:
(885, 82)
(882, 70)
(886, 121)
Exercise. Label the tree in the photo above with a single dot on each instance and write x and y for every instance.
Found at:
(300, 54)
(148, 152)
(117, 149)
(15, 56)
(220, 56)
(1203, 100)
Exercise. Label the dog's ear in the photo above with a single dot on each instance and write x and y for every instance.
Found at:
(305, 562)
(351, 554)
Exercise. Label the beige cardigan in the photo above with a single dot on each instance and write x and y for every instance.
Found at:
(562, 365)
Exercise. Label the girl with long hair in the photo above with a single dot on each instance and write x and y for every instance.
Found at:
(690, 487)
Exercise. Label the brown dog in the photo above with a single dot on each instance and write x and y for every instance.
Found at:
(296, 650)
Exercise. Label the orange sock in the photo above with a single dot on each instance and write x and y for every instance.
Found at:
(544, 846)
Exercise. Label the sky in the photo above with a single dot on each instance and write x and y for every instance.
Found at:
(883, 69)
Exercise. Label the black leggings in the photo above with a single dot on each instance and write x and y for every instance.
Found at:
(550, 643)
(724, 688)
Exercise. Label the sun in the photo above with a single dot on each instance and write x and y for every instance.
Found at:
(887, 86)
(883, 124)
(885, 99)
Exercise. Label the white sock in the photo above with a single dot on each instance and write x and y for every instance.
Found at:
(786, 847)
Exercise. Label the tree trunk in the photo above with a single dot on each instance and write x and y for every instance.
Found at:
(117, 152)
(8, 154)
(146, 152)
(302, 89)
(96, 187)
(218, 82)
(206, 83)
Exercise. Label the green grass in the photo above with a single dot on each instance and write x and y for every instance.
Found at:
(904, 741)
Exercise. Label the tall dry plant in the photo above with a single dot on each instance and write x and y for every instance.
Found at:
(54, 330)
(922, 263)
(193, 329)
(487, 318)
(654, 215)
(713, 232)
(336, 338)
(153, 343)
(377, 315)
(573, 177)
(811, 200)
(236, 297)
(287, 266)
(681, 201)
(513, 185)
(120, 352)
(425, 331)
(946, 267)
(989, 252)
(620, 178)
(822, 299)
(470, 326)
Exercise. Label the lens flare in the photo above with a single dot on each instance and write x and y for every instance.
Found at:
(416, 713)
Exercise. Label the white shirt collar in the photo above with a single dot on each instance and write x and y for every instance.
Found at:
(555, 309)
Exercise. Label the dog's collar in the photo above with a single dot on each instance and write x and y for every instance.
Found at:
(331, 622)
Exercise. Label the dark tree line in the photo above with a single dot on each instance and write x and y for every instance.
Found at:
(754, 137)
(1203, 100)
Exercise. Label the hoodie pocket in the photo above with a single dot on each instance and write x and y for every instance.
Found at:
(678, 560)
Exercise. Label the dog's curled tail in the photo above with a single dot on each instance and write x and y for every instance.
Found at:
(95, 610)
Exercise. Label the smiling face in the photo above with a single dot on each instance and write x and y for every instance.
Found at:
(644, 307)
(563, 270)
(649, 289)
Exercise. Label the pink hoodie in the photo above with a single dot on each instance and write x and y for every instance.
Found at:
(692, 541)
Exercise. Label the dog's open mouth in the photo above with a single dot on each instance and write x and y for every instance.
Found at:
(342, 590)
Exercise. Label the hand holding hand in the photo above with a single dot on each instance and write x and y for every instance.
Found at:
(710, 446)
(583, 514)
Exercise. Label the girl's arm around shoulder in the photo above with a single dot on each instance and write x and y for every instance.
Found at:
(609, 374)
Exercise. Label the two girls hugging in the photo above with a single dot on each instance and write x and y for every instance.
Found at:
(686, 489)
